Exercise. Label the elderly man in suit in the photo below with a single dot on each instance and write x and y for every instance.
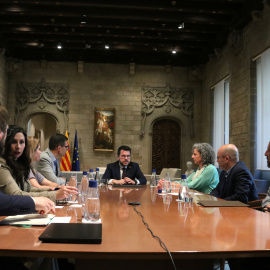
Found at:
(236, 183)
(48, 165)
(124, 171)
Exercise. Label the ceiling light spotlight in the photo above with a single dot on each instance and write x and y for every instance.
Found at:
(181, 25)
(174, 51)
(83, 19)
(107, 46)
(59, 45)
(87, 45)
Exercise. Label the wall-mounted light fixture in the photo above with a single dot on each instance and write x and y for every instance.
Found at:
(59, 45)
(174, 51)
(87, 45)
(181, 25)
(83, 19)
(40, 44)
(107, 46)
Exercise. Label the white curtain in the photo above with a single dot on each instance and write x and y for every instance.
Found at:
(263, 107)
(221, 114)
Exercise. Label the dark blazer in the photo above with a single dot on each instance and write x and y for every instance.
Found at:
(133, 171)
(237, 186)
(15, 204)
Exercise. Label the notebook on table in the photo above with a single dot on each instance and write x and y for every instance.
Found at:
(127, 185)
(75, 233)
(209, 203)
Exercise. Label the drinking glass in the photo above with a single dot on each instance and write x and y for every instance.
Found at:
(153, 193)
(103, 185)
(188, 196)
(73, 183)
(182, 189)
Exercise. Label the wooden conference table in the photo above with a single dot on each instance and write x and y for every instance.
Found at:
(188, 230)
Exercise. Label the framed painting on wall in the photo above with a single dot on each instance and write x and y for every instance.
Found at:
(104, 129)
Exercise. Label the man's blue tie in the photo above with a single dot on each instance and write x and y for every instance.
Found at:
(56, 167)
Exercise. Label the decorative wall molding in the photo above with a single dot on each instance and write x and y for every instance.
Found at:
(13, 65)
(43, 95)
(235, 41)
(167, 98)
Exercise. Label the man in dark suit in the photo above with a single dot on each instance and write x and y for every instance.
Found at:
(236, 183)
(124, 171)
(16, 204)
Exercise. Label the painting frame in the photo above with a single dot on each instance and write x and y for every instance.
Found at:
(104, 122)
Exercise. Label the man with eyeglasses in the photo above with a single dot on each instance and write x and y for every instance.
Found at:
(124, 171)
(49, 164)
(236, 182)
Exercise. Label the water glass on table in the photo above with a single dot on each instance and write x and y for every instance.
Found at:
(188, 196)
(73, 183)
(103, 185)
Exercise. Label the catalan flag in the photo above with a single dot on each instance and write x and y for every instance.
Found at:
(76, 162)
(65, 161)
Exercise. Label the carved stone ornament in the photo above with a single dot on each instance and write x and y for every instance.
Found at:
(42, 94)
(167, 97)
(235, 40)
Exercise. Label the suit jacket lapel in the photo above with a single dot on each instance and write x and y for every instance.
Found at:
(117, 170)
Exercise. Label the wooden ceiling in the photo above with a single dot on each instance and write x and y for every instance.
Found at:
(143, 32)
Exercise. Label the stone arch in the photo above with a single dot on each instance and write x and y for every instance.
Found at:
(170, 103)
(42, 98)
(31, 111)
(186, 141)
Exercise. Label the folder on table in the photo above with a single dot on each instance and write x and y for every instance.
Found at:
(76, 233)
(127, 185)
(209, 203)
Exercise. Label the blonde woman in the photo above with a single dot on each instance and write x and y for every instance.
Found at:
(35, 178)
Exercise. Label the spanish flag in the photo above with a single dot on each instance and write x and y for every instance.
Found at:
(65, 161)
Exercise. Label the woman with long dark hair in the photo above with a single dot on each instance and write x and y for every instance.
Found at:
(15, 168)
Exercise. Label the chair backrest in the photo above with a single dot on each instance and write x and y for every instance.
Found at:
(174, 172)
(257, 205)
(102, 170)
(262, 186)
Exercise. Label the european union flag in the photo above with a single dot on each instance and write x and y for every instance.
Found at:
(76, 162)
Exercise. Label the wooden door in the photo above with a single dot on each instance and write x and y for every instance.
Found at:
(166, 145)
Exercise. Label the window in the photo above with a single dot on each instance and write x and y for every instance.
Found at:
(221, 114)
(263, 108)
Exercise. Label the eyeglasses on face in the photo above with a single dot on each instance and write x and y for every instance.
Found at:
(219, 157)
(67, 146)
(125, 156)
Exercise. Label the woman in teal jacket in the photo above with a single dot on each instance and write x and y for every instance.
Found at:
(205, 178)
